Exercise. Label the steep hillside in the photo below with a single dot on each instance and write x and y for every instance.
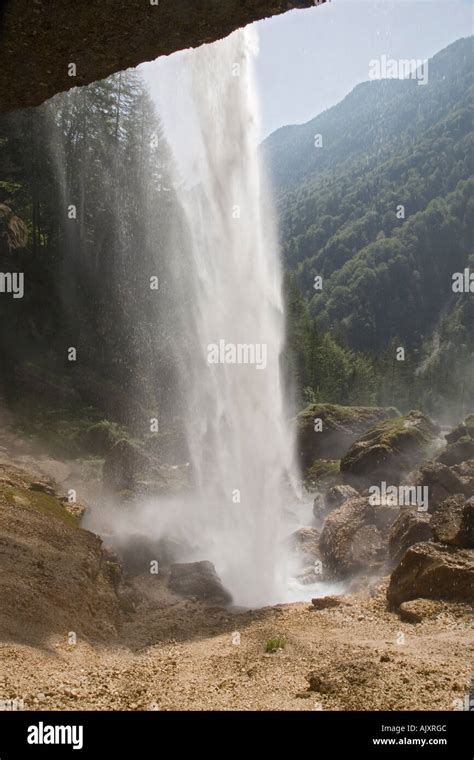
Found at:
(383, 210)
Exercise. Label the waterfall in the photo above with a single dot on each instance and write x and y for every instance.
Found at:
(240, 441)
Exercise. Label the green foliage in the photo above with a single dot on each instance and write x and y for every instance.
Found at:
(273, 645)
(87, 279)
(387, 281)
(322, 471)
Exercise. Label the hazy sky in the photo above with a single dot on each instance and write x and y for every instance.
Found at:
(310, 59)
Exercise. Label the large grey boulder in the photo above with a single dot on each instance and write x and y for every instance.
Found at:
(355, 538)
(409, 528)
(433, 571)
(389, 450)
(341, 426)
(453, 522)
(199, 581)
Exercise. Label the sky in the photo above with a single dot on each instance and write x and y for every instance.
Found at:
(310, 59)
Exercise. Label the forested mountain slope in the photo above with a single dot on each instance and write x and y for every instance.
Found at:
(374, 196)
(390, 143)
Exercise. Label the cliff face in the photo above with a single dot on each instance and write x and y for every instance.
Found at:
(39, 39)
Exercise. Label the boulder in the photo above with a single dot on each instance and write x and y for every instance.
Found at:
(337, 495)
(354, 538)
(138, 551)
(198, 580)
(388, 451)
(304, 542)
(409, 528)
(461, 430)
(458, 452)
(453, 522)
(465, 470)
(419, 609)
(433, 571)
(124, 465)
(319, 508)
(333, 498)
(341, 426)
(460, 443)
(436, 472)
(441, 482)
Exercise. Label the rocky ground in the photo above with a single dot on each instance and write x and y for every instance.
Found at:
(177, 655)
(78, 631)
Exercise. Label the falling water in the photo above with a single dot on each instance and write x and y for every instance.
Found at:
(240, 440)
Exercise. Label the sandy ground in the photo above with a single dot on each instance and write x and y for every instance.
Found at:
(176, 655)
(171, 654)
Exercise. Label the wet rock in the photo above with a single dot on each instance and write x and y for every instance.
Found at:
(458, 452)
(388, 451)
(341, 426)
(461, 430)
(198, 580)
(433, 571)
(440, 480)
(138, 552)
(453, 522)
(331, 499)
(465, 470)
(305, 543)
(409, 528)
(337, 495)
(124, 465)
(355, 538)
(319, 508)
(436, 472)
(460, 442)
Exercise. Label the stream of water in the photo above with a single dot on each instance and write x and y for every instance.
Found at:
(240, 440)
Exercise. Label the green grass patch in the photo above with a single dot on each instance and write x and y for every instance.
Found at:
(273, 645)
(336, 414)
(47, 505)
